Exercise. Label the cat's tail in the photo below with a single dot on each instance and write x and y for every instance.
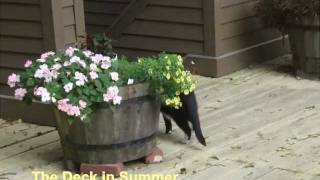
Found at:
(193, 111)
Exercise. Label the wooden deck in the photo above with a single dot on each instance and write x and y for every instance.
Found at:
(260, 123)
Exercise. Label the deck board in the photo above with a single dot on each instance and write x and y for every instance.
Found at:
(260, 123)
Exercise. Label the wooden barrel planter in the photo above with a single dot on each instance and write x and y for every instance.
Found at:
(113, 137)
(305, 45)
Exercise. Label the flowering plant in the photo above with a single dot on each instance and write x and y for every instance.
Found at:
(168, 78)
(77, 82)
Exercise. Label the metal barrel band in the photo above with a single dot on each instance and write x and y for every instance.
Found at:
(90, 147)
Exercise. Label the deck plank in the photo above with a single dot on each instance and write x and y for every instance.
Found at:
(260, 123)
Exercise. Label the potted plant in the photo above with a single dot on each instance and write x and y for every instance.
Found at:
(107, 109)
(300, 19)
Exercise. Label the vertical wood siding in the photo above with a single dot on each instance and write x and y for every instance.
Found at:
(240, 27)
(173, 26)
(25, 35)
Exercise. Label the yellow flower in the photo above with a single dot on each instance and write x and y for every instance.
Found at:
(178, 72)
(177, 93)
(184, 73)
(189, 79)
(168, 102)
(186, 92)
(178, 80)
(193, 86)
(168, 76)
(167, 67)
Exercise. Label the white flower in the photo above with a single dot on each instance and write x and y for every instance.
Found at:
(81, 78)
(69, 52)
(44, 72)
(68, 87)
(93, 67)
(56, 66)
(114, 76)
(57, 59)
(87, 53)
(41, 60)
(43, 92)
(67, 63)
(117, 100)
(112, 92)
(93, 75)
(53, 99)
(75, 59)
(130, 81)
(106, 65)
(96, 58)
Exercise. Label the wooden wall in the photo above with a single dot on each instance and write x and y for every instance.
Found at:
(166, 25)
(227, 31)
(28, 28)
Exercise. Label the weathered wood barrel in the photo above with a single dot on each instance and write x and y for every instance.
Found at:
(113, 137)
(305, 44)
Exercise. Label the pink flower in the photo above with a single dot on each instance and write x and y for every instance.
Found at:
(96, 58)
(107, 97)
(112, 92)
(82, 104)
(114, 76)
(44, 72)
(81, 78)
(47, 54)
(105, 62)
(13, 79)
(70, 109)
(43, 92)
(69, 52)
(117, 100)
(68, 87)
(28, 63)
(93, 75)
(106, 65)
(20, 93)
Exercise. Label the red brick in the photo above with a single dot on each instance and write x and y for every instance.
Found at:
(155, 156)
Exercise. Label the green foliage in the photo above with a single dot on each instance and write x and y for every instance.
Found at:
(281, 13)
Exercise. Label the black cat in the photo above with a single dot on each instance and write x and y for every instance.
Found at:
(182, 116)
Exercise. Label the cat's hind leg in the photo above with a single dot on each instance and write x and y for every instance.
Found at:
(167, 123)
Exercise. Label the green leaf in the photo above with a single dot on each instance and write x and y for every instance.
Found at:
(98, 84)
(30, 82)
